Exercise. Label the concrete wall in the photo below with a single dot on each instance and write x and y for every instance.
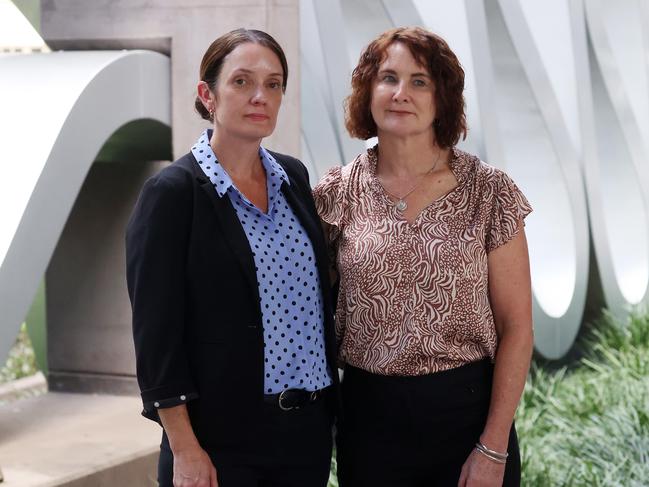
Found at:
(90, 344)
(183, 29)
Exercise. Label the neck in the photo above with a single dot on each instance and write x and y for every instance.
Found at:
(239, 157)
(406, 157)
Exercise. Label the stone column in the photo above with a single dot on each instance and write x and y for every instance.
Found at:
(89, 338)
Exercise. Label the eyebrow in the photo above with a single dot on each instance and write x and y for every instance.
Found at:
(248, 71)
(391, 71)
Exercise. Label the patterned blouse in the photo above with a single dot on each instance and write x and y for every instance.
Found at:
(414, 297)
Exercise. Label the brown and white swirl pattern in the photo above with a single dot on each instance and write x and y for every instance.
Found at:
(414, 298)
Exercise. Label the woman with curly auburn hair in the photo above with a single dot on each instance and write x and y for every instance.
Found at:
(434, 319)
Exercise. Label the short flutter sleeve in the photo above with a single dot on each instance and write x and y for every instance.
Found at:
(510, 206)
(329, 201)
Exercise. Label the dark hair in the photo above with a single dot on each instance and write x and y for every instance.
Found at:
(215, 56)
(444, 68)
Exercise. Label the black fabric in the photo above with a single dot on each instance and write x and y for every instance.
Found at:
(197, 323)
(415, 431)
(293, 450)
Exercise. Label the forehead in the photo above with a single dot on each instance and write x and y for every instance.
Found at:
(398, 56)
(252, 57)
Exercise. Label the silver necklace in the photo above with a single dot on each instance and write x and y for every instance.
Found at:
(400, 203)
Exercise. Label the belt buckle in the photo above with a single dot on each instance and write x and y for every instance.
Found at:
(279, 402)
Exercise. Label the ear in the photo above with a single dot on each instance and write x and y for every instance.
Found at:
(206, 96)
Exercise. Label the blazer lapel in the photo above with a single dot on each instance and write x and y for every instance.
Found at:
(233, 233)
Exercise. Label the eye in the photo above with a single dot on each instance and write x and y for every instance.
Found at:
(420, 83)
(275, 85)
(388, 78)
(240, 82)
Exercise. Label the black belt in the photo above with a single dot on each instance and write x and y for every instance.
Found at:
(294, 398)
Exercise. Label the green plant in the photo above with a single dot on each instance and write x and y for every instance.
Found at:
(588, 425)
(21, 361)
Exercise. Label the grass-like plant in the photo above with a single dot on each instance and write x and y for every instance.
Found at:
(588, 424)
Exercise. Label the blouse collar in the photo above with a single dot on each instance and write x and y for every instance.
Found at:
(219, 177)
(461, 164)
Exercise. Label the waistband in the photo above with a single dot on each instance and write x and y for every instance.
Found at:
(474, 371)
(290, 399)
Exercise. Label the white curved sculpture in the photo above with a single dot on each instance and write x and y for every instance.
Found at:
(58, 110)
(617, 143)
(531, 45)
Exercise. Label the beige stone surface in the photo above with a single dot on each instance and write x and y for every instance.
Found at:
(188, 27)
(77, 440)
(22, 388)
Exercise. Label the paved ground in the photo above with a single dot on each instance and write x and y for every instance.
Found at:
(79, 440)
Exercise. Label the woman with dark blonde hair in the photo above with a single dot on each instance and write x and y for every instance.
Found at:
(228, 278)
(434, 320)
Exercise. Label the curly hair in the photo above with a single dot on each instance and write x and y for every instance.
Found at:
(444, 68)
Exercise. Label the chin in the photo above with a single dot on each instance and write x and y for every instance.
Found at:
(255, 135)
(399, 131)
(255, 132)
(264, 130)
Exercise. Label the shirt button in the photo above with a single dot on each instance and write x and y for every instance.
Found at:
(182, 398)
(156, 404)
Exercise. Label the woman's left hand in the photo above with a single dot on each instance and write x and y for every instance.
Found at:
(479, 471)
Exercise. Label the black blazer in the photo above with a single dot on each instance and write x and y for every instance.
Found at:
(197, 321)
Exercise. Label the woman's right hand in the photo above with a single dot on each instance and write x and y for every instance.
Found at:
(192, 465)
(193, 468)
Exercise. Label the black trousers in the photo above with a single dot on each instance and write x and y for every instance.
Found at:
(415, 431)
(293, 450)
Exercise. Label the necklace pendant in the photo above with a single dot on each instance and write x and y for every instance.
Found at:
(401, 205)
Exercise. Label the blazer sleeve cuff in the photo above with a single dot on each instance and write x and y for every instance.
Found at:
(165, 397)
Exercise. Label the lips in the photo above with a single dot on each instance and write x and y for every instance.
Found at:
(400, 112)
(258, 117)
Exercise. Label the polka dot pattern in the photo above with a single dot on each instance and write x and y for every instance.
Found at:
(289, 285)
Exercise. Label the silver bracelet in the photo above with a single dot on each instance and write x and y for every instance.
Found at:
(491, 454)
(494, 453)
(493, 459)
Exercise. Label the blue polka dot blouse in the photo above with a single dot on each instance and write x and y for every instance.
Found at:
(289, 285)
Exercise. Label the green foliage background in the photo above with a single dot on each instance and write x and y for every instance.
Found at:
(588, 425)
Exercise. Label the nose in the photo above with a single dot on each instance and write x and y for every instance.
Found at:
(259, 96)
(401, 93)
